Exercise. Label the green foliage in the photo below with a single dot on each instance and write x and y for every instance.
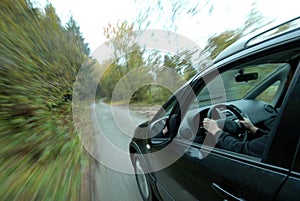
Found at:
(217, 43)
(129, 56)
(109, 80)
(181, 64)
(75, 36)
(40, 150)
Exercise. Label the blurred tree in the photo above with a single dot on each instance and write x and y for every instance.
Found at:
(121, 38)
(189, 72)
(127, 53)
(181, 63)
(171, 12)
(76, 36)
(218, 42)
(38, 67)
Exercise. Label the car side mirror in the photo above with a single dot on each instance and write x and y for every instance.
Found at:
(157, 126)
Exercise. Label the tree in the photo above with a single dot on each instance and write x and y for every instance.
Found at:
(75, 36)
(181, 63)
(218, 42)
(171, 11)
(127, 53)
(38, 67)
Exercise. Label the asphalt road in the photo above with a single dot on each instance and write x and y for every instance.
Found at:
(112, 177)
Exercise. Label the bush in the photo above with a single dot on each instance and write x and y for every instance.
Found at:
(41, 152)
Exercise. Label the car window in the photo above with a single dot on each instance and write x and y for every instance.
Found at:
(233, 86)
(166, 110)
(268, 94)
(170, 107)
(226, 88)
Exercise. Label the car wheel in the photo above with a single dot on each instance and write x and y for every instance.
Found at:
(142, 179)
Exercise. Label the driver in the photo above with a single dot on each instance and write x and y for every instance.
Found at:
(254, 147)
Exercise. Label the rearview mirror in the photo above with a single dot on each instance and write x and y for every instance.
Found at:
(246, 77)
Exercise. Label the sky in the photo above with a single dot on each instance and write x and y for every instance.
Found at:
(93, 15)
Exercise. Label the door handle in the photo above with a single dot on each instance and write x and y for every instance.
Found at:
(225, 194)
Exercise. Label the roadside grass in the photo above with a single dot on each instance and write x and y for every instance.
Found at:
(41, 156)
(55, 180)
(43, 160)
(145, 109)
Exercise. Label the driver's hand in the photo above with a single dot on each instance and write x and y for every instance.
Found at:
(165, 130)
(248, 124)
(211, 126)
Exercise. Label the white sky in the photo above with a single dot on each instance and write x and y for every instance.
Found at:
(93, 15)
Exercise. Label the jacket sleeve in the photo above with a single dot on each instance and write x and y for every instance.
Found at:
(254, 147)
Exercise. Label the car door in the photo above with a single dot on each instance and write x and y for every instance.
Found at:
(289, 131)
(235, 176)
(205, 172)
(291, 188)
(161, 147)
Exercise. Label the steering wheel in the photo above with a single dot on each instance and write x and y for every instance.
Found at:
(226, 124)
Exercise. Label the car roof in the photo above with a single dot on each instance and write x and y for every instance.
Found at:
(269, 32)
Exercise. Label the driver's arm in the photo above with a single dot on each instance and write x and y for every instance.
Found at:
(253, 129)
(229, 142)
(248, 124)
(254, 147)
(211, 126)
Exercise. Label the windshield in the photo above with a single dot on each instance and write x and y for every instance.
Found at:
(224, 87)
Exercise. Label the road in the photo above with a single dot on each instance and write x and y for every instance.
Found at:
(112, 177)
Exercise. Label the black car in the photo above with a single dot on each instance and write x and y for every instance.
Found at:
(256, 78)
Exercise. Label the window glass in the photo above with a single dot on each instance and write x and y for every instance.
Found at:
(225, 87)
(233, 85)
(167, 109)
(268, 94)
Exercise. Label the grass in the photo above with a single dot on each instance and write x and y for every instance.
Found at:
(55, 180)
(41, 155)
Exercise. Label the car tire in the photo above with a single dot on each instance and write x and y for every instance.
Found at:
(142, 179)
